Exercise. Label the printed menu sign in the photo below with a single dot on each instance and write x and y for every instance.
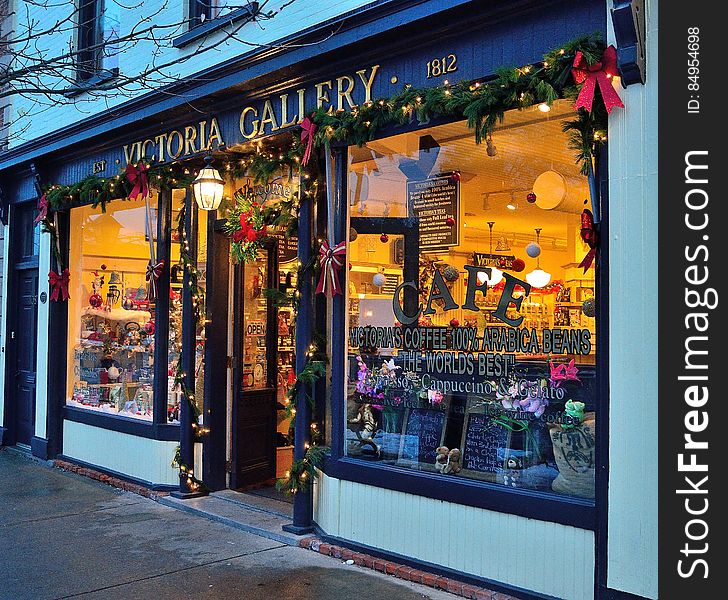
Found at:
(435, 202)
(287, 247)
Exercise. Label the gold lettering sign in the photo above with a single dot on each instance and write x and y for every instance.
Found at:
(331, 94)
(175, 144)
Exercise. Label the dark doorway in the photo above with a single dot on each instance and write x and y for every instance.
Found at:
(254, 392)
(22, 325)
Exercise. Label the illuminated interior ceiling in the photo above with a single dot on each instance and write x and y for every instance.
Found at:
(528, 143)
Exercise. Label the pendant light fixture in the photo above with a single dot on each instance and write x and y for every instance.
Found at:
(208, 187)
(538, 278)
(495, 274)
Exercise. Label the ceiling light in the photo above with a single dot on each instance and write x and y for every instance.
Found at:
(538, 278)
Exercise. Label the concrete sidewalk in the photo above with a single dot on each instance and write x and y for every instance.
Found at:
(66, 536)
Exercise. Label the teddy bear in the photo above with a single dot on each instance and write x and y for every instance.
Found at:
(454, 464)
(448, 461)
(441, 458)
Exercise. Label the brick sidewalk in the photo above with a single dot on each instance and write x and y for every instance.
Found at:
(403, 572)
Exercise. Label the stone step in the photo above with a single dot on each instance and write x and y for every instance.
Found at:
(238, 513)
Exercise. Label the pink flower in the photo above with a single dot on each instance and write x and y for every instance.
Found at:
(563, 372)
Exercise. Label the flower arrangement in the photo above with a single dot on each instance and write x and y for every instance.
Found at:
(246, 226)
(511, 399)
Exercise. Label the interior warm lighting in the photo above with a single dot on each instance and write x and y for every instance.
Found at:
(208, 187)
(511, 206)
(543, 107)
(538, 278)
(496, 275)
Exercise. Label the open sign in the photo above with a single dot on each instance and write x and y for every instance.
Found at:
(255, 328)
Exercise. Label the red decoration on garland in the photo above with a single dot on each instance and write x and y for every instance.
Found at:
(95, 300)
(136, 175)
(384, 238)
(590, 236)
(454, 323)
(42, 209)
(599, 73)
(59, 284)
(149, 327)
(247, 231)
(308, 129)
(450, 222)
(518, 265)
(531, 197)
(153, 274)
(331, 261)
(455, 176)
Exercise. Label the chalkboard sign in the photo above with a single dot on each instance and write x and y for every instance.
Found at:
(421, 435)
(482, 440)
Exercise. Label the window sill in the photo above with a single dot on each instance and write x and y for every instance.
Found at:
(575, 512)
(156, 431)
(208, 27)
(101, 77)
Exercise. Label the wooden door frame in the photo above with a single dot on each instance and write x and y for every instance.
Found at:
(238, 284)
(8, 429)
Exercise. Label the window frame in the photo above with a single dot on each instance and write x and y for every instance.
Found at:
(89, 35)
(543, 506)
(158, 428)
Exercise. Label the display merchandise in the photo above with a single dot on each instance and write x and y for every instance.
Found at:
(466, 359)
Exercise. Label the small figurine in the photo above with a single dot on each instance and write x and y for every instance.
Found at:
(368, 427)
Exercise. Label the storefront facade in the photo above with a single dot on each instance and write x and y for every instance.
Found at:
(473, 400)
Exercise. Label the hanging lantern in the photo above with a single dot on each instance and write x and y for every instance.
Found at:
(208, 187)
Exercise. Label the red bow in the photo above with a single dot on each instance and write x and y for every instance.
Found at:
(331, 261)
(598, 73)
(42, 209)
(153, 273)
(308, 128)
(59, 285)
(590, 236)
(137, 176)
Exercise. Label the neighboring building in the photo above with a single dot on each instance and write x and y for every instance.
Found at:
(456, 467)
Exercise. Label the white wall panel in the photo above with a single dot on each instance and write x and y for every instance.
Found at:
(142, 458)
(632, 534)
(545, 557)
(42, 356)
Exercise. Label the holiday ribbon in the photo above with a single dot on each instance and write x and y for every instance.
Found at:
(153, 274)
(589, 236)
(598, 73)
(42, 209)
(137, 177)
(331, 261)
(308, 129)
(59, 285)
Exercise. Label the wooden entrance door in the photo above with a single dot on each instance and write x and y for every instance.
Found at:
(22, 329)
(254, 405)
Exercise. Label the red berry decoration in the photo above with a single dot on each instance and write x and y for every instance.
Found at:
(518, 265)
(149, 327)
(454, 323)
(531, 197)
(95, 300)
(502, 263)
(450, 222)
(384, 238)
(455, 176)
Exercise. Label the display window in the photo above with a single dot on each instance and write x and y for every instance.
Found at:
(471, 308)
(111, 319)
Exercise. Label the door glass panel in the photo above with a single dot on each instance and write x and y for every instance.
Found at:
(255, 315)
